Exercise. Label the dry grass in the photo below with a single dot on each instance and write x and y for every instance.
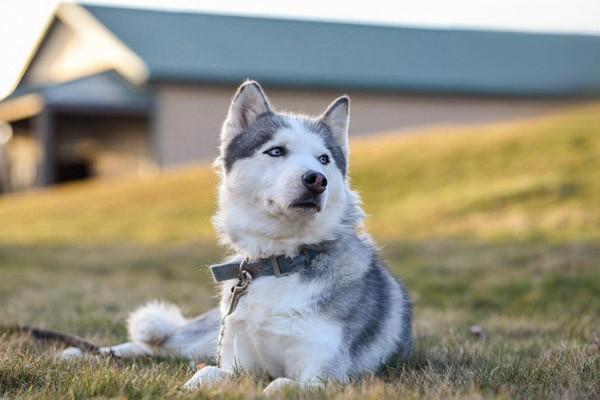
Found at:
(496, 226)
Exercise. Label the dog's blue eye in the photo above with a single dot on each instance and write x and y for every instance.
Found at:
(324, 159)
(276, 151)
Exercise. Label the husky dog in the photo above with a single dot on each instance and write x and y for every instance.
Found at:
(285, 192)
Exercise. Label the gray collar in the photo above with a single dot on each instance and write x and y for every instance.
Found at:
(272, 266)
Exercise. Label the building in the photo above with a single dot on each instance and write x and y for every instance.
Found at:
(110, 91)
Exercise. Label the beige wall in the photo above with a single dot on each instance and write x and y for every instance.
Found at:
(65, 55)
(77, 45)
(22, 157)
(188, 118)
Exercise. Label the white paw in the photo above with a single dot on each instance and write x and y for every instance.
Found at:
(279, 385)
(207, 376)
(70, 354)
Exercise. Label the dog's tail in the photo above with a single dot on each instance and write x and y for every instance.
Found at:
(154, 322)
(163, 330)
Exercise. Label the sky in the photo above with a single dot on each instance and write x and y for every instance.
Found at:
(22, 22)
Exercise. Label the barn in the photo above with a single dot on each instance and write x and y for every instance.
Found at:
(113, 91)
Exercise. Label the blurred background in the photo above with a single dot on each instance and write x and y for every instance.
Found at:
(134, 87)
(475, 132)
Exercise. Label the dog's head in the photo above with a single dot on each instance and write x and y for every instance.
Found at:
(284, 176)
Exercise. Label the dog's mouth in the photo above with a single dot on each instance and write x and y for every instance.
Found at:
(307, 203)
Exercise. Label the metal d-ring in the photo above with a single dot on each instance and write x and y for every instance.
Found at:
(244, 273)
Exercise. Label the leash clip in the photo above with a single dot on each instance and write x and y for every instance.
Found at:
(240, 288)
(245, 277)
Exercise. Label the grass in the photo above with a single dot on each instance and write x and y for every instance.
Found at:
(496, 226)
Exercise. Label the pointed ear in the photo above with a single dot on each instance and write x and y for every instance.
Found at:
(247, 105)
(337, 119)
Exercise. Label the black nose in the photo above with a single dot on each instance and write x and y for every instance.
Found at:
(314, 181)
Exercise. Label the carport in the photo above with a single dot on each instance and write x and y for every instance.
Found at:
(74, 130)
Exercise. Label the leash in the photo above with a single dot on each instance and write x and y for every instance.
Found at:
(237, 291)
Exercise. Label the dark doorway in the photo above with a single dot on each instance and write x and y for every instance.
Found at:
(73, 170)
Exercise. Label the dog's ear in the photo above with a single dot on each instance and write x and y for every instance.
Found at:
(337, 119)
(247, 105)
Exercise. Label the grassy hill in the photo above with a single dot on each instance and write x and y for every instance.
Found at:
(540, 178)
(494, 225)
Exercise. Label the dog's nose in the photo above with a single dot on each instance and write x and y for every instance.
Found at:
(314, 181)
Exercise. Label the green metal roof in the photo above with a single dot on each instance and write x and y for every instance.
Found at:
(105, 90)
(218, 48)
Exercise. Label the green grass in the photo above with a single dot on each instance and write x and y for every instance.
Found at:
(496, 226)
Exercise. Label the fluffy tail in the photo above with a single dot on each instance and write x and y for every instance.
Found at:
(154, 323)
(159, 329)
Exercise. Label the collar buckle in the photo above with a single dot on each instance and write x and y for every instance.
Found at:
(277, 269)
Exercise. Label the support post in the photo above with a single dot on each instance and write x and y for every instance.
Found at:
(44, 126)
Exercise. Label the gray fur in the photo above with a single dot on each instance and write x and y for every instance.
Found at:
(372, 303)
(363, 303)
(205, 324)
(264, 129)
(322, 130)
(404, 345)
(257, 134)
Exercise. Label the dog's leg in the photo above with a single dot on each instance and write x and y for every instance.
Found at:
(281, 384)
(243, 358)
(158, 329)
(127, 350)
(196, 340)
(211, 376)
(123, 350)
(312, 357)
(206, 377)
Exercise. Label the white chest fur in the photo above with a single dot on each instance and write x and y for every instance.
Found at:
(276, 329)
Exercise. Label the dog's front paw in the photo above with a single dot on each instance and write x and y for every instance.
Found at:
(279, 385)
(70, 354)
(206, 377)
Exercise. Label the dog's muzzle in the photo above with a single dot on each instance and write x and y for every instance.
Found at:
(308, 201)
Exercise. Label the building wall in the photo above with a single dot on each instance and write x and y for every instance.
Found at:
(188, 118)
(22, 156)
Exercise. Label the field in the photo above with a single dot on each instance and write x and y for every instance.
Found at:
(494, 226)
